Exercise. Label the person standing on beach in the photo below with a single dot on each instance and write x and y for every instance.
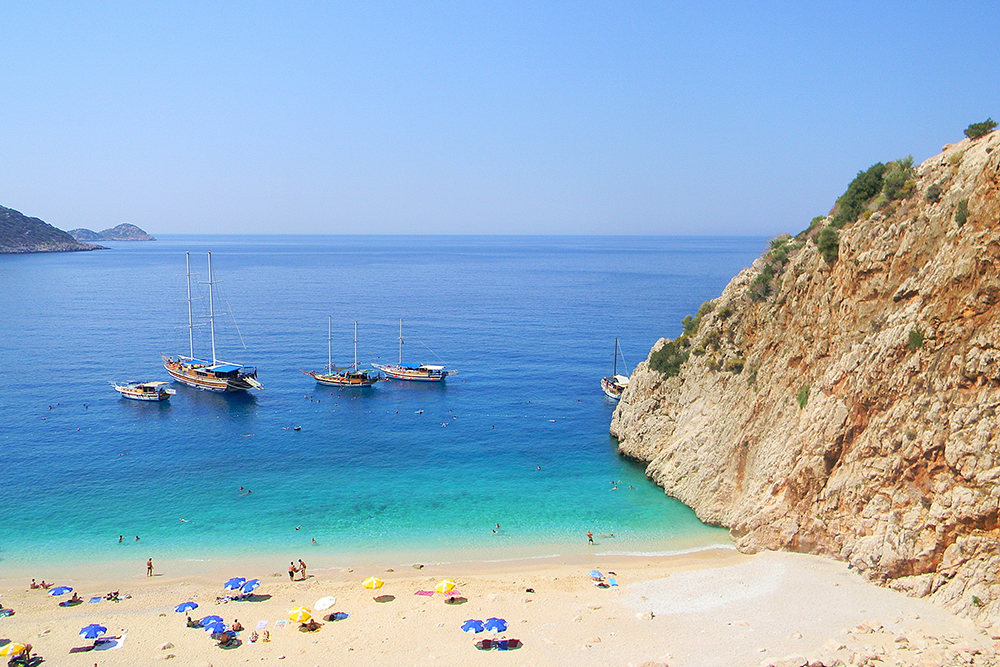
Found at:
(590, 537)
(302, 568)
(291, 571)
(149, 567)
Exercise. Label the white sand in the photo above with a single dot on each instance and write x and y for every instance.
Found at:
(710, 608)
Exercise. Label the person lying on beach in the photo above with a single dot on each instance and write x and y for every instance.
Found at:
(254, 637)
(6, 612)
(311, 626)
(113, 596)
(193, 623)
(267, 636)
(227, 639)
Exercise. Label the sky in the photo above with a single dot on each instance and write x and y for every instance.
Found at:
(624, 118)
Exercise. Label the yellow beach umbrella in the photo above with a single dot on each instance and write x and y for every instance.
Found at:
(300, 614)
(445, 586)
(12, 649)
(372, 583)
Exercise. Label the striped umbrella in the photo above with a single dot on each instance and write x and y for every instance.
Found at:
(92, 631)
(445, 586)
(372, 583)
(300, 614)
(60, 590)
(185, 606)
(12, 649)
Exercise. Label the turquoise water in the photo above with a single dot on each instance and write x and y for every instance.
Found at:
(519, 437)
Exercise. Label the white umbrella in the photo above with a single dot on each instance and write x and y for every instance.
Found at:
(325, 603)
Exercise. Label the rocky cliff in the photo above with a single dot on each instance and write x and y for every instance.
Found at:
(21, 234)
(122, 232)
(847, 404)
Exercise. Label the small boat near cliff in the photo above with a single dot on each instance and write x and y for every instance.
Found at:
(215, 375)
(144, 391)
(421, 373)
(615, 385)
(351, 376)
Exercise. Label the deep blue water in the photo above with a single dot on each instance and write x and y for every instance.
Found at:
(529, 323)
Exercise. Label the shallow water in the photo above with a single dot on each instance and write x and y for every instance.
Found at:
(518, 438)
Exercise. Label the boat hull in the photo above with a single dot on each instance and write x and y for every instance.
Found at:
(611, 388)
(355, 380)
(197, 376)
(414, 374)
(161, 395)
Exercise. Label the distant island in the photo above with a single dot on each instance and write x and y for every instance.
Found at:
(21, 234)
(123, 232)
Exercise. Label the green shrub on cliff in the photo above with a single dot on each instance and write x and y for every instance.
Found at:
(669, 358)
(828, 243)
(915, 340)
(898, 181)
(933, 194)
(865, 185)
(802, 398)
(977, 130)
(962, 212)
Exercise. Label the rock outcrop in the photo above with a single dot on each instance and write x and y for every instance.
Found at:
(122, 232)
(852, 408)
(21, 234)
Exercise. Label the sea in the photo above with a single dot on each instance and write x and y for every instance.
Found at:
(509, 458)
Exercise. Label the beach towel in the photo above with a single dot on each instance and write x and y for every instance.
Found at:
(261, 625)
(95, 600)
(110, 643)
(427, 593)
(280, 624)
(612, 581)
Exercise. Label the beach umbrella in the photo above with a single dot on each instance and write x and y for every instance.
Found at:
(209, 619)
(215, 627)
(372, 583)
(12, 649)
(92, 631)
(250, 586)
(325, 603)
(472, 626)
(185, 606)
(594, 574)
(61, 590)
(234, 584)
(445, 586)
(300, 614)
(495, 625)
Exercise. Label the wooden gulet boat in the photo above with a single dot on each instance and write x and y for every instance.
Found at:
(421, 373)
(343, 377)
(215, 375)
(144, 391)
(614, 386)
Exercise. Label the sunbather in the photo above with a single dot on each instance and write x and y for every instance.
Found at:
(254, 637)
(237, 627)
(193, 623)
(311, 626)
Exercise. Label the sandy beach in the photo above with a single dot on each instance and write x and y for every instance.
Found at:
(714, 607)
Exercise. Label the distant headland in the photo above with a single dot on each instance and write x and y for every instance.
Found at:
(123, 232)
(21, 234)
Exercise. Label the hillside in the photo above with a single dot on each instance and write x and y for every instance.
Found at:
(122, 232)
(21, 234)
(841, 396)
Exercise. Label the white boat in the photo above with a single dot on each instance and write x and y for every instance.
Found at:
(351, 376)
(615, 385)
(144, 391)
(421, 373)
(215, 375)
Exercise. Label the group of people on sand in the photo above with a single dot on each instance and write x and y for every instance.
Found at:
(43, 585)
(293, 569)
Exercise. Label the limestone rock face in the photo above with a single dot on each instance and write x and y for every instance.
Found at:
(864, 424)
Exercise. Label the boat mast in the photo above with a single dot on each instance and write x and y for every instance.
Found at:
(355, 345)
(615, 371)
(187, 257)
(400, 342)
(211, 306)
(329, 343)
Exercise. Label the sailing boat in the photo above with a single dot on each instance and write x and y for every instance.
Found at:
(215, 375)
(614, 386)
(421, 373)
(343, 377)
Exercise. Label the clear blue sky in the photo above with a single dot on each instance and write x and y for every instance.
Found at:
(475, 117)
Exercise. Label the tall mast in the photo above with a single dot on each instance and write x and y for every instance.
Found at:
(187, 257)
(400, 342)
(355, 345)
(615, 372)
(329, 339)
(211, 306)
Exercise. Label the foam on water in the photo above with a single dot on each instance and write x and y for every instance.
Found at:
(519, 437)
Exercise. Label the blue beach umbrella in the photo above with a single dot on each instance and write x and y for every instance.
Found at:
(472, 626)
(495, 625)
(234, 584)
(594, 574)
(61, 590)
(250, 586)
(215, 627)
(209, 619)
(93, 631)
(185, 606)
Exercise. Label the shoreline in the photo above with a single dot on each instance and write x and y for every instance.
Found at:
(707, 607)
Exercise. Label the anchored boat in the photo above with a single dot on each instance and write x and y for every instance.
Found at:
(214, 375)
(351, 376)
(421, 373)
(615, 385)
(144, 391)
